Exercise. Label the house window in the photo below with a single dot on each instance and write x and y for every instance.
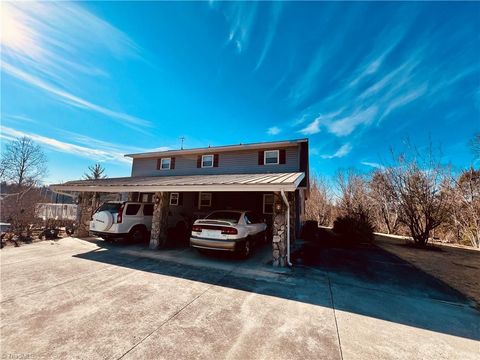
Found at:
(271, 157)
(268, 203)
(165, 163)
(207, 161)
(146, 198)
(205, 200)
(174, 199)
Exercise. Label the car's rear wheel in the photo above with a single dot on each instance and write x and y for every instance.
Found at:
(245, 249)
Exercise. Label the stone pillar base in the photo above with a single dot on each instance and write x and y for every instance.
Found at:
(158, 235)
(84, 214)
(279, 240)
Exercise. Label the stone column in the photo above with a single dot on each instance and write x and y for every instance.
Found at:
(279, 240)
(158, 236)
(84, 214)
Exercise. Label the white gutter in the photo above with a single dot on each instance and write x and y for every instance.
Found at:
(285, 200)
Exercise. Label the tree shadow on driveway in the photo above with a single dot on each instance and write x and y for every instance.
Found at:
(360, 279)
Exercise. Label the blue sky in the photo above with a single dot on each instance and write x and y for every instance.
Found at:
(93, 81)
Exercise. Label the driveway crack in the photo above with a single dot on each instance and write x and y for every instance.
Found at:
(335, 316)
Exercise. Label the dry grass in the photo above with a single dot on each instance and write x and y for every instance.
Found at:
(456, 266)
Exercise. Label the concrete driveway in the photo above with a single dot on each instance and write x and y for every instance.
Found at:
(87, 299)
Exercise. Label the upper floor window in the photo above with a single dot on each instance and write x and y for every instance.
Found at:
(165, 163)
(271, 157)
(207, 161)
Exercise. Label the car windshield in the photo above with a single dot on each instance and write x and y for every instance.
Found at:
(230, 216)
(110, 207)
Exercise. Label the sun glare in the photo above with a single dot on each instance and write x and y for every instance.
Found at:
(15, 32)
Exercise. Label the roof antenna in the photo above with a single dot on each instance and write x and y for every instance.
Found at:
(182, 138)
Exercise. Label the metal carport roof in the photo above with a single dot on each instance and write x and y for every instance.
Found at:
(210, 183)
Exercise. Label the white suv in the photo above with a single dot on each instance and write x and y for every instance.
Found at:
(229, 230)
(125, 219)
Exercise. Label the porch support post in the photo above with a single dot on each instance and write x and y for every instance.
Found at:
(84, 213)
(158, 234)
(279, 240)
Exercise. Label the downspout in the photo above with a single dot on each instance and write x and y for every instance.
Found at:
(285, 200)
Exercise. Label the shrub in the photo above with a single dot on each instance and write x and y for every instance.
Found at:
(354, 228)
(309, 230)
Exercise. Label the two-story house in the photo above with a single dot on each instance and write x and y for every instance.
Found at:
(270, 178)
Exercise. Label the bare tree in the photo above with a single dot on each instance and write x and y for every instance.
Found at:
(385, 206)
(18, 208)
(23, 165)
(466, 206)
(354, 198)
(96, 172)
(319, 204)
(23, 162)
(475, 145)
(354, 221)
(420, 189)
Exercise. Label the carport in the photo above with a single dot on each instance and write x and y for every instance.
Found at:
(284, 187)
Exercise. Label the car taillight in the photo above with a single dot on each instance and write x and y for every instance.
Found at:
(229, 231)
(119, 215)
(196, 228)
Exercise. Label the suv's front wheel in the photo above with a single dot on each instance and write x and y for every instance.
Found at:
(138, 234)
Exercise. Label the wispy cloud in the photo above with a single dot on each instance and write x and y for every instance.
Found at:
(308, 79)
(276, 11)
(385, 44)
(404, 99)
(71, 99)
(312, 128)
(89, 141)
(341, 152)
(378, 86)
(391, 90)
(54, 39)
(50, 46)
(274, 130)
(18, 118)
(103, 153)
(347, 124)
(240, 18)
